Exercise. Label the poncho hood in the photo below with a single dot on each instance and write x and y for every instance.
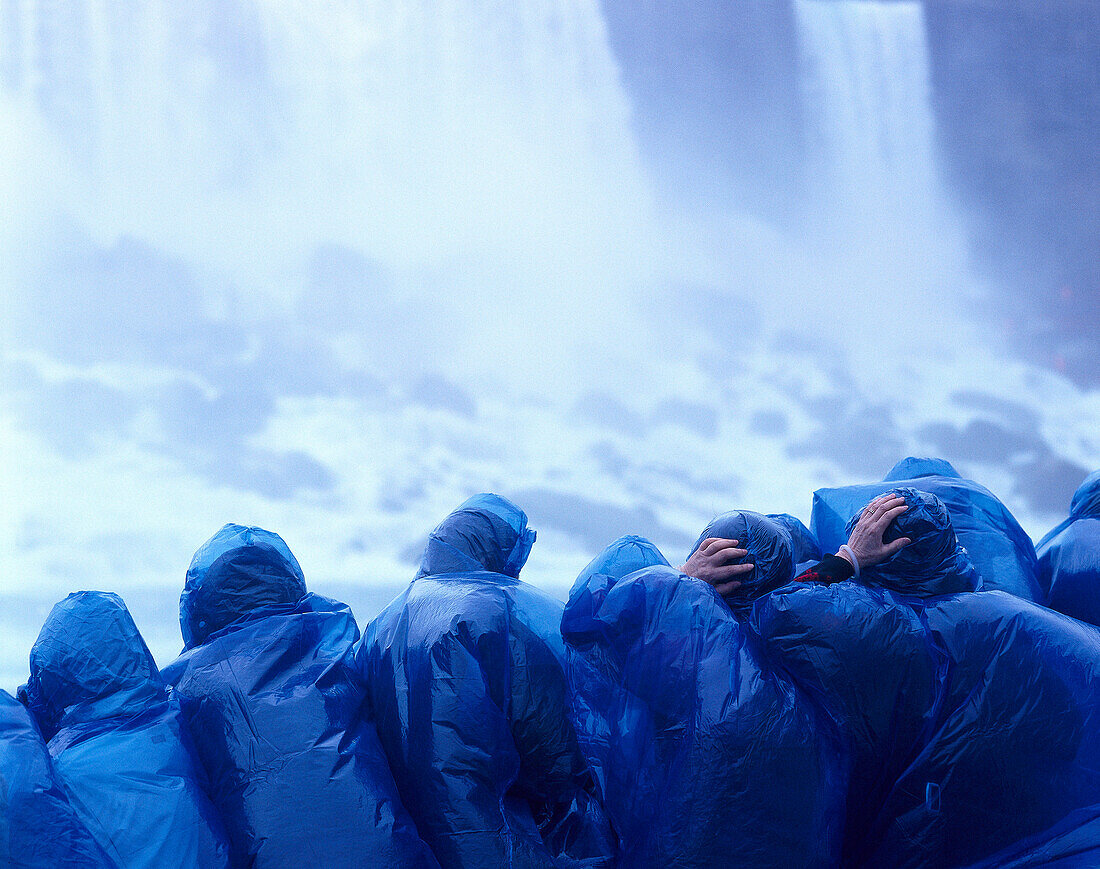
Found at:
(486, 533)
(90, 663)
(238, 572)
(914, 467)
(1086, 500)
(934, 563)
(769, 546)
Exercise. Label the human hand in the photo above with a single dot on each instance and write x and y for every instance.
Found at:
(865, 540)
(712, 563)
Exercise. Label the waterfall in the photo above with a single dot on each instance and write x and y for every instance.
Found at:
(414, 131)
(871, 137)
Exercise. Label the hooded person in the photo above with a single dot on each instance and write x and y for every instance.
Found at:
(1069, 557)
(997, 545)
(267, 690)
(964, 712)
(867, 657)
(465, 674)
(807, 550)
(707, 755)
(597, 727)
(39, 829)
(118, 741)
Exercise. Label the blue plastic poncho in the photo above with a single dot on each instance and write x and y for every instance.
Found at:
(708, 756)
(268, 694)
(770, 549)
(867, 658)
(807, 550)
(465, 675)
(1014, 760)
(944, 699)
(117, 740)
(1069, 557)
(39, 829)
(997, 545)
(625, 556)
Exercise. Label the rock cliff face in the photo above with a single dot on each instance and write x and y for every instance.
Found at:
(1017, 98)
(716, 96)
(721, 110)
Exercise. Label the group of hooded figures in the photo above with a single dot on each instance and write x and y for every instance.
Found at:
(941, 709)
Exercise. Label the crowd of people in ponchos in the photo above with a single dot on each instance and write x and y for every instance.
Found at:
(927, 696)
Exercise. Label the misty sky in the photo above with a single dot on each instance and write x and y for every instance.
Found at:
(330, 270)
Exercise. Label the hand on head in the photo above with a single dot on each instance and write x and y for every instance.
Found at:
(716, 562)
(866, 542)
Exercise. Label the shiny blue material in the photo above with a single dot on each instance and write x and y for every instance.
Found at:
(971, 721)
(769, 546)
(807, 549)
(933, 562)
(118, 741)
(39, 829)
(1069, 556)
(465, 675)
(273, 705)
(625, 556)
(999, 548)
(709, 757)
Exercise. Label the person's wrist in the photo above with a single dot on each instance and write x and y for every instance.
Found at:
(849, 555)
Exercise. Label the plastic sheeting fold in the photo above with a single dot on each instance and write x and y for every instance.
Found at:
(1069, 556)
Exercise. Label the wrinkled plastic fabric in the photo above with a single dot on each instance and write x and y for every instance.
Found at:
(868, 658)
(807, 550)
(1086, 500)
(970, 718)
(625, 556)
(770, 549)
(39, 829)
(274, 708)
(466, 678)
(118, 742)
(1000, 549)
(1069, 557)
(933, 562)
(708, 757)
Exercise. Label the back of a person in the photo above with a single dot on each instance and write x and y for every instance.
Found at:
(708, 756)
(867, 657)
(39, 828)
(996, 543)
(985, 698)
(1069, 557)
(273, 706)
(466, 679)
(118, 741)
(1014, 762)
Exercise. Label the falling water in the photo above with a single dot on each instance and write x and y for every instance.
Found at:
(871, 137)
(242, 134)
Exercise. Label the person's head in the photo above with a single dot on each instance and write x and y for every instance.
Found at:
(770, 550)
(915, 467)
(486, 533)
(237, 572)
(622, 557)
(1086, 500)
(89, 663)
(934, 562)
